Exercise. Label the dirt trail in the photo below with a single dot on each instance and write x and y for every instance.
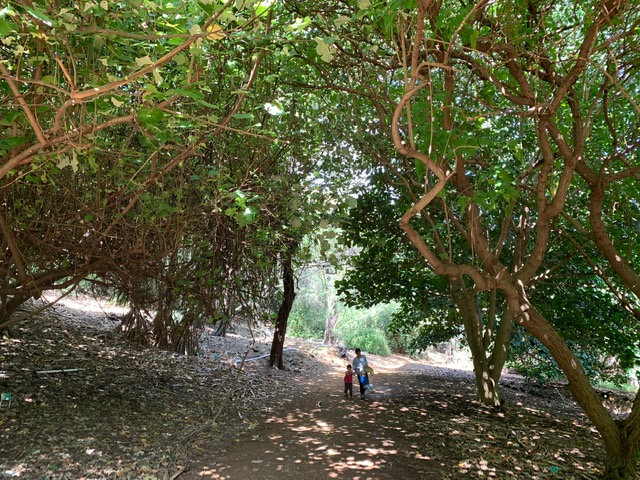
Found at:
(319, 434)
(421, 423)
(135, 413)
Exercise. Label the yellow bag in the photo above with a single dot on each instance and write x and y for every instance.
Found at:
(368, 370)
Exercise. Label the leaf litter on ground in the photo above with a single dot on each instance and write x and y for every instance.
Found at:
(111, 409)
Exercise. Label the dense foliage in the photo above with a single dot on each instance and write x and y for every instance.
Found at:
(179, 152)
(152, 148)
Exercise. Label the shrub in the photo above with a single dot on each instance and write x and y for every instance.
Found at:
(365, 329)
(305, 321)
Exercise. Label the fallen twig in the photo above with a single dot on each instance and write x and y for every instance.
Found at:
(61, 370)
(245, 359)
(177, 474)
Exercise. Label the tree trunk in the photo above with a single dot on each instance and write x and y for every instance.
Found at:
(329, 329)
(332, 311)
(135, 327)
(275, 358)
(228, 310)
(621, 438)
(221, 330)
(8, 307)
(486, 368)
(620, 462)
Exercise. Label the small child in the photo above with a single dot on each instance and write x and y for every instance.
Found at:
(348, 382)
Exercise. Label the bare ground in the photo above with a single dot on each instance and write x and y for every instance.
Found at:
(88, 405)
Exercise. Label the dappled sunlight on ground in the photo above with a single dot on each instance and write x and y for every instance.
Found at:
(128, 412)
(419, 424)
(345, 437)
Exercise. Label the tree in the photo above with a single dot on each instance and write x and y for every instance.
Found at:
(289, 295)
(449, 83)
(510, 123)
(387, 269)
(516, 60)
(153, 155)
(96, 117)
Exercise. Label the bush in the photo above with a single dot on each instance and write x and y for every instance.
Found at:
(305, 321)
(365, 329)
(531, 359)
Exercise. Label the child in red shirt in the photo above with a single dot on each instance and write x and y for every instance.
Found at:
(348, 382)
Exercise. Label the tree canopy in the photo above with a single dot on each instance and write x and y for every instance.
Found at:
(178, 152)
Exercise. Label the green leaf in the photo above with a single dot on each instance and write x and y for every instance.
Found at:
(341, 20)
(250, 214)
(6, 27)
(92, 162)
(473, 38)
(142, 61)
(64, 161)
(421, 170)
(262, 8)
(189, 93)
(151, 116)
(40, 15)
(180, 59)
(208, 9)
(240, 197)
(11, 142)
(324, 49)
(157, 77)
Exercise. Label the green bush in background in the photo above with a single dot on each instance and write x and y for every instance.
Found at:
(317, 307)
(366, 329)
(306, 320)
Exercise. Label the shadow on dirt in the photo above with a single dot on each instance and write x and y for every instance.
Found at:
(421, 423)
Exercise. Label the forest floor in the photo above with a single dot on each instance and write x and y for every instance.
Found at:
(87, 404)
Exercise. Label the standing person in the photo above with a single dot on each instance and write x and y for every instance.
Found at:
(359, 365)
(348, 382)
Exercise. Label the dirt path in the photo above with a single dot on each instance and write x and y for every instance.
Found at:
(125, 412)
(421, 423)
(322, 434)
